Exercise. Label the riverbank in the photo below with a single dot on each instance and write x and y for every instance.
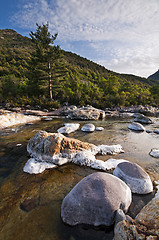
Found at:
(13, 116)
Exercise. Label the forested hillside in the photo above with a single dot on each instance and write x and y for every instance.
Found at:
(76, 80)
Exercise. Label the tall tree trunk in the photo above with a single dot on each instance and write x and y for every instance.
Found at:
(50, 82)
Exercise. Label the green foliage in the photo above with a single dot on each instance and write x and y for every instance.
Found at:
(24, 76)
(43, 59)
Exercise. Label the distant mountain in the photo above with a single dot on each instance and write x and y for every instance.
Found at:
(154, 77)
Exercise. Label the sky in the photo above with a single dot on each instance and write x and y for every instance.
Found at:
(122, 35)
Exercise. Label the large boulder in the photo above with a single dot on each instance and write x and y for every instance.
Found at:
(49, 150)
(46, 146)
(95, 200)
(136, 126)
(134, 176)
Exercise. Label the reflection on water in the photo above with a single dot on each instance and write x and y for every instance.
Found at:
(50, 187)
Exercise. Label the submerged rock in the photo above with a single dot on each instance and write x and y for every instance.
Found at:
(136, 126)
(135, 177)
(95, 199)
(28, 204)
(88, 127)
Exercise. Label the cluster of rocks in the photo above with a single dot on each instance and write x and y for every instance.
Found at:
(100, 199)
(72, 127)
(103, 199)
(146, 110)
(144, 226)
(139, 120)
(88, 113)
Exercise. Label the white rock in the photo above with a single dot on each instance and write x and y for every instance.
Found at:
(69, 128)
(34, 167)
(112, 150)
(88, 127)
(136, 126)
(99, 128)
(154, 153)
(107, 165)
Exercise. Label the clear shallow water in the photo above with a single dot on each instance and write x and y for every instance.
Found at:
(49, 188)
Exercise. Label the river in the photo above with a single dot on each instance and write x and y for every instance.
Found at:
(49, 188)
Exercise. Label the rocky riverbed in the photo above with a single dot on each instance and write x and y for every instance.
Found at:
(31, 204)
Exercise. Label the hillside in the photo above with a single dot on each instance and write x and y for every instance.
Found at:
(77, 80)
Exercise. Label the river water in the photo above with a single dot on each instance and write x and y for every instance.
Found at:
(49, 188)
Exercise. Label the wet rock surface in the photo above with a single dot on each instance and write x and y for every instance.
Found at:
(135, 177)
(95, 199)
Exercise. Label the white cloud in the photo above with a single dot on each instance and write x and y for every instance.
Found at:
(122, 33)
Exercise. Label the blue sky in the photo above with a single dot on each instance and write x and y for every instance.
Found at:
(122, 35)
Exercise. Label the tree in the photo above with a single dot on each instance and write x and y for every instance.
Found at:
(44, 58)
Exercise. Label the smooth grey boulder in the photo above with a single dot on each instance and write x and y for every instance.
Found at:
(88, 127)
(134, 176)
(95, 200)
(136, 126)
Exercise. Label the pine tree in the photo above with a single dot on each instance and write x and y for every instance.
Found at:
(44, 58)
